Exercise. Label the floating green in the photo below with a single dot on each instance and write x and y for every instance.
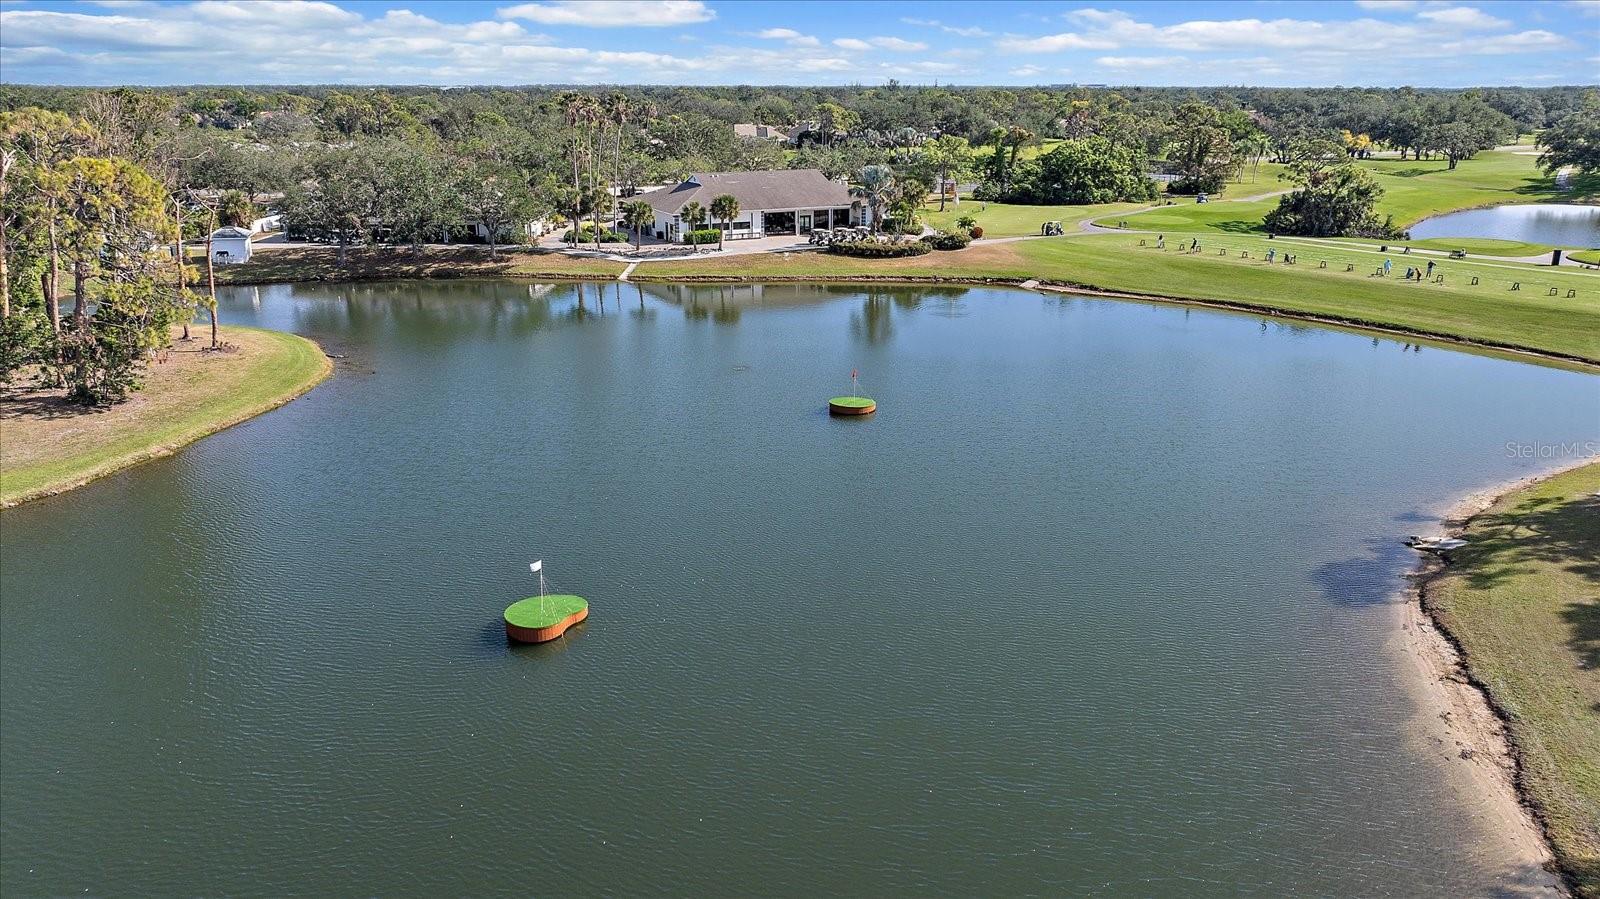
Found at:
(853, 402)
(544, 611)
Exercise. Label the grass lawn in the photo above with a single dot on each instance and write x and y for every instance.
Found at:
(50, 445)
(270, 266)
(1413, 191)
(1009, 220)
(544, 611)
(1488, 312)
(1589, 257)
(1475, 246)
(1523, 601)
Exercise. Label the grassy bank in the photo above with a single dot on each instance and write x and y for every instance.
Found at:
(1520, 600)
(1413, 190)
(1332, 279)
(50, 445)
(1488, 312)
(270, 265)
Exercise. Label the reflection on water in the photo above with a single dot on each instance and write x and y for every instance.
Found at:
(1550, 224)
(1096, 603)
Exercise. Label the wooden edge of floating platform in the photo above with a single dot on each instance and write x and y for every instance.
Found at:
(545, 634)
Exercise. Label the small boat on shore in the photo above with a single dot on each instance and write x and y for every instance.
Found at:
(1434, 544)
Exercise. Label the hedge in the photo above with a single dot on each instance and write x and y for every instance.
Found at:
(587, 236)
(948, 240)
(868, 249)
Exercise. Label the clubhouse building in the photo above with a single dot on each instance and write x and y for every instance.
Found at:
(771, 203)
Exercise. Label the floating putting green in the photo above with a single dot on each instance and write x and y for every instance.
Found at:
(853, 402)
(544, 611)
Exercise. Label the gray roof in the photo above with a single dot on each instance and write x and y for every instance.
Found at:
(780, 189)
(229, 231)
(760, 131)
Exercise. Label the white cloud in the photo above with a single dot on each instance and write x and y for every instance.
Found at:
(962, 31)
(1388, 5)
(611, 13)
(1462, 17)
(898, 44)
(320, 43)
(1356, 41)
(1140, 62)
(790, 36)
(882, 43)
(1053, 43)
(272, 41)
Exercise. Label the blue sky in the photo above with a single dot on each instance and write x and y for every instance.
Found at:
(1263, 42)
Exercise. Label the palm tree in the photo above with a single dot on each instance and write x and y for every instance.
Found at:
(876, 182)
(694, 215)
(600, 202)
(575, 109)
(1258, 145)
(904, 199)
(638, 215)
(725, 207)
(618, 112)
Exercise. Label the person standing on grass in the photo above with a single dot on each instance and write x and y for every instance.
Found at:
(1387, 265)
(1161, 241)
(1430, 268)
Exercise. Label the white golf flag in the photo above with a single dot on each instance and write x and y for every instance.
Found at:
(536, 566)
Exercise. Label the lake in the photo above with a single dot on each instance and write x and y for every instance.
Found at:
(1551, 224)
(1100, 601)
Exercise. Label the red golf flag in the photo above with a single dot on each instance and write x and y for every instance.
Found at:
(852, 374)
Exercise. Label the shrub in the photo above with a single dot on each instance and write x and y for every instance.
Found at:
(701, 236)
(869, 249)
(967, 222)
(896, 225)
(586, 235)
(976, 232)
(948, 240)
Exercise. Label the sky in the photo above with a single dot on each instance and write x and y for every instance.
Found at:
(1425, 43)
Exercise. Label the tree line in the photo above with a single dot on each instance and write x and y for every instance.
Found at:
(93, 213)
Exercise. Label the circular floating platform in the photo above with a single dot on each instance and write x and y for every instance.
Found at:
(540, 618)
(852, 405)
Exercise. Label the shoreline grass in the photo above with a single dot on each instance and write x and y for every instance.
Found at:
(1520, 603)
(270, 265)
(1488, 314)
(51, 446)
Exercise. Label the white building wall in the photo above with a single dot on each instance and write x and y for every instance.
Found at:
(228, 250)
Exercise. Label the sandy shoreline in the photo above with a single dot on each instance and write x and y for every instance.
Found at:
(1457, 722)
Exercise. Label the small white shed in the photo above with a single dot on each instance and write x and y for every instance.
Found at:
(230, 245)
